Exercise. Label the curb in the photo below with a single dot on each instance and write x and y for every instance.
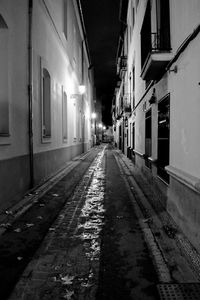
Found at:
(8, 216)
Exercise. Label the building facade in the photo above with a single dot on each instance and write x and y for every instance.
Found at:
(45, 119)
(156, 111)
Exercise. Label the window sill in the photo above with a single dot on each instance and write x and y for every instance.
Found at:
(5, 139)
(46, 139)
(138, 153)
(190, 181)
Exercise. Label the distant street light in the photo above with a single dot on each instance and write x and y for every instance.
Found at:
(94, 115)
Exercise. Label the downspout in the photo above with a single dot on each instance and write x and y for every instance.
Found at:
(84, 42)
(30, 91)
(82, 97)
(183, 46)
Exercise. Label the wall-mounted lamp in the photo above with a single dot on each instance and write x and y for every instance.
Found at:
(82, 89)
(126, 122)
(93, 115)
(175, 69)
(153, 97)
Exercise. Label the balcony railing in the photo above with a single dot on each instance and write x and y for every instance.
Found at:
(126, 103)
(127, 108)
(160, 42)
(123, 63)
(155, 55)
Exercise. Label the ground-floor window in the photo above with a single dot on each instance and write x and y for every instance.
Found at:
(4, 105)
(133, 141)
(74, 121)
(148, 138)
(120, 137)
(163, 137)
(64, 117)
(46, 103)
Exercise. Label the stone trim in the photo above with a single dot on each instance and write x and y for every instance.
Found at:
(190, 181)
(138, 153)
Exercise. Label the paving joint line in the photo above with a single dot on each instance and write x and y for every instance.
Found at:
(152, 244)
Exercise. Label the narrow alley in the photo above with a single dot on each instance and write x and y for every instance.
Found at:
(91, 232)
(99, 150)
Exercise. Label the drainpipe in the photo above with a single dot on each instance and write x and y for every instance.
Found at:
(30, 91)
(84, 42)
(82, 97)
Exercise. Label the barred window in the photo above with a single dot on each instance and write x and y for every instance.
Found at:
(4, 103)
(46, 104)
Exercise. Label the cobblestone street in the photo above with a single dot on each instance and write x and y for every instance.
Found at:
(102, 242)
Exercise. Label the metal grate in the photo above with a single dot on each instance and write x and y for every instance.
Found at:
(180, 291)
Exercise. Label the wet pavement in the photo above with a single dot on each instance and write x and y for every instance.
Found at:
(88, 238)
(126, 268)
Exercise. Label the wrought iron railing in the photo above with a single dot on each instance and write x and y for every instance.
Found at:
(160, 42)
(123, 63)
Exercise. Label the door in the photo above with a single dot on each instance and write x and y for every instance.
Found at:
(163, 137)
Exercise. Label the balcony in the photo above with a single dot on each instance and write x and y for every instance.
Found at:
(157, 57)
(122, 66)
(127, 108)
(155, 40)
(126, 104)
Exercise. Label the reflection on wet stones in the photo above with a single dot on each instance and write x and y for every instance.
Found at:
(91, 219)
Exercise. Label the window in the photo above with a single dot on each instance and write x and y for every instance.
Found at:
(64, 117)
(133, 142)
(133, 17)
(74, 47)
(148, 138)
(80, 125)
(163, 25)
(80, 62)
(155, 32)
(163, 137)
(4, 104)
(65, 18)
(46, 104)
(74, 122)
(133, 87)
(146, 35)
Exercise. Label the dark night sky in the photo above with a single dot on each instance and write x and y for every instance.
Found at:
(102, 25)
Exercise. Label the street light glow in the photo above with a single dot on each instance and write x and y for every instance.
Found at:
(82, 89)
(94, 115)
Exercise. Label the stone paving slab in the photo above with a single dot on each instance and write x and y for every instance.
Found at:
(62, 260)
(182, 259)
(19, 242)
(96, 247)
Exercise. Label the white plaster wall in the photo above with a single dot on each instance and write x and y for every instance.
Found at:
(185, 16)
(16, 17)
(136, 49)
(185, 111)
(52, 48)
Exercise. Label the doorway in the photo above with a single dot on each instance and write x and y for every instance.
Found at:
(163, 137)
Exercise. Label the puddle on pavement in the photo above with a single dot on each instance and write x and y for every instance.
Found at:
(91, 219)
